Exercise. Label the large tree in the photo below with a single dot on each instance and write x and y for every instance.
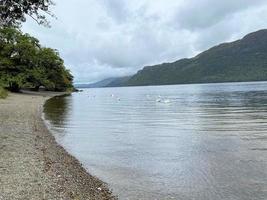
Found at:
(13, 12)
(13, 59)
(25, 63)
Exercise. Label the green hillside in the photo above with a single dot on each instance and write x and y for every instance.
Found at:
(242, 60)
(118, 82)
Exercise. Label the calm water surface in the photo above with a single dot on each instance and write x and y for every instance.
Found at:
(203, 142)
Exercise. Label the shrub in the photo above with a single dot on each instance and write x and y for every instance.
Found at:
(3, 93)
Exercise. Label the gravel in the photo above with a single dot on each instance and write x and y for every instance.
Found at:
(32, 165)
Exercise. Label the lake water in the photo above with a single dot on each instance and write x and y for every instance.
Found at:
(201, 142)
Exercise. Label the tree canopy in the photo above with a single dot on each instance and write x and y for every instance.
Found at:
(13, 12)
(25, 63)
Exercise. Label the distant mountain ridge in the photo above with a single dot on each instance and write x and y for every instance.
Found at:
(102, 83)
(108, 82)
(118, 82)
(241, 60)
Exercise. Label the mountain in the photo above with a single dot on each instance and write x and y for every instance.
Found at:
(118, 82)
(102, 83)
(242, 60)
(109, 82)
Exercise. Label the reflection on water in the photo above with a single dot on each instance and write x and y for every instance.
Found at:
(204, 142)
(57, 110)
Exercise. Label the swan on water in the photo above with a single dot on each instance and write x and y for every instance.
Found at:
(166, 101)
(158, 100)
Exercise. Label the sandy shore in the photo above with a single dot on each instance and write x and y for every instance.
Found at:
(32, 165)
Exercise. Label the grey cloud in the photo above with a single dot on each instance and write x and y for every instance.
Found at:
(107, 38)
(116, 9)
(201, 14)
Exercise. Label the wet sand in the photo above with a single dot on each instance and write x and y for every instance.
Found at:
(32, 164)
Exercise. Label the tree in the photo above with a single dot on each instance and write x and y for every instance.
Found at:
(11, 67)
(57, 76)
(13, 12)
(25, 63)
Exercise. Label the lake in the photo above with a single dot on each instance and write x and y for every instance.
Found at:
(199, 141)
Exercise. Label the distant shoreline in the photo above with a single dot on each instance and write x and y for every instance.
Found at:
(32, 164)
(181, 84)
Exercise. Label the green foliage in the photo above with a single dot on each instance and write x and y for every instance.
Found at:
(242, 60)
(12, 12)
(24, 63)
(3, 93)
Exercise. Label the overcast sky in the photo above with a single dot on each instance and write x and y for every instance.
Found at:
(109, 38)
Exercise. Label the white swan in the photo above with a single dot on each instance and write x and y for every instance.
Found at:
(166, 101)
(158, 100)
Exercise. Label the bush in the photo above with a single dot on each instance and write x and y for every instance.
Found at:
(3, 93)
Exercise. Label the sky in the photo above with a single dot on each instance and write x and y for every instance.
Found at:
(100, 39)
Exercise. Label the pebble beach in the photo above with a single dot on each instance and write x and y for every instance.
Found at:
(32, 164)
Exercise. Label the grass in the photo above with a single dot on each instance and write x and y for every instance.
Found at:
(3, 93)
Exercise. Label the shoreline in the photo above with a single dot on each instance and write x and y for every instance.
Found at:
(32, 164)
